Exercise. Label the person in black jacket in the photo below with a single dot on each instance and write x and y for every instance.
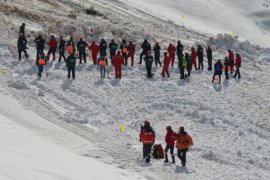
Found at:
(146, 46)
(40, 45)
(226, 64)
(200, 56)
(21, 44)
(113, 48)
(218, 70)
(209, 57)
(157, 54)
(61, 47)
(102, 47)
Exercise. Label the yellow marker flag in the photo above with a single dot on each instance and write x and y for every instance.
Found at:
(1, 72)
(234, 34)
(122, 128)
(183, 17)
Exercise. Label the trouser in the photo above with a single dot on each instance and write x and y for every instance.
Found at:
(157, 60)
(141, 56)
(182, 72)
(118, 72)
(226, 73)
(82, 55)
(195, 65)
(149, 71)
(189, 66)
(40, 70)
(20, 53)
(94, 58)
(200, 63)
(38, 52)
(62, 54)
(102, 71)
(231, 66)
(210, 64)
(171, 148)
(219, 76)
(181, 153)
(172, 58)
(112, 54)
(147, 151)
(125, 58)
(51, 51)
(73, 72)
(132, 58)
(237, 72)
(165, 71)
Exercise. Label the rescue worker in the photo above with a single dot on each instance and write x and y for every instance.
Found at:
(166, 65)
(182, 64)
(118, 61)
(52, 47)
(40, 45)
(102, 62)
(200, 57)
(170, 139)
(217, 70)
(103, 47)
(193, 58)
(171, 50)
(94, 48)
(61, 48)
(148, 64)
(179, 50)
(184, 141)
(231, 60)
(124, 50)
(21, 44)
(113, 48)
(189, 64)
(22, 29)
(70, 46)
(81, 46)
(131, 52)
(71, 64)
(41, 62)
(156, 50)
(226, 66)
(146, 46)
(209, 57)
(238, 62)
(147, 137)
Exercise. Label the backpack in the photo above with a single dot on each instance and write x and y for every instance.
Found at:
(158, 152)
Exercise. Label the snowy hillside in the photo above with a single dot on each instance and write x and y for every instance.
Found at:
(77, 123)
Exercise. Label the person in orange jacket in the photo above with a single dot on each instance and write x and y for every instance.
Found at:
(166, 65)
(193, 58)
(147, 137)
(237, 64)
(184, 141)
(118, 61)
(170, 139)
(171, 50)
(131, 52)
(94, 47)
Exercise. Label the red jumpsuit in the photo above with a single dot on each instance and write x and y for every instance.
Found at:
(53, 46)
(118, 61)
(131, 53)
(166, 66)
(95, 49)
(193, 59)
(171, 50)
(231, 60)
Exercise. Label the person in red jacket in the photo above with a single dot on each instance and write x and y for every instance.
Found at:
(171, 50)
(131, 52)
(118, 61)
(170, 139)
(231, 60)
(52, 47)
(193, 58)
(166, 65)
(94, 47)
(147, 137)
(237, 64)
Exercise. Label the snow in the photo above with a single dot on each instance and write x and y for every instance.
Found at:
(78, 122)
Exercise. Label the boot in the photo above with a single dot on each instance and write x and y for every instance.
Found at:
(173, 159)
(166, 158)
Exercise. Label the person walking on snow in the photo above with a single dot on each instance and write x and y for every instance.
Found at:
(179, 50)
(148, 64)
(189, 65)
(170, 139)
(113, 48)
(41, 62)
(103, 62)
(61, 48)
(131, 52)
(71, 46)
(231, 60)
(193, 58)
(238, 62)
(166, 65)
(81, 46)
(103, 47)
(40, 45)
(171, 50)
(226, 66)
(217, 71)
(147, 137)
(118, 61)
(52, 47)
(94, 47)
(124, 49)
(71, 64)
(182, 64)
(184, 141)
(21, 44)
(156, 50)
(146, 46)
(200, 56)
(209, 57)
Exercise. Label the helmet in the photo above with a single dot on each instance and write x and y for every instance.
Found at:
(146, 122)
(181, 128)
(169, 128)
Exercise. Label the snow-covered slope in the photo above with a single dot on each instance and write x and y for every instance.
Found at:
(248, 19)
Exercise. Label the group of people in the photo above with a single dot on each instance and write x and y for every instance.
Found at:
(120, 55)
(182, 140)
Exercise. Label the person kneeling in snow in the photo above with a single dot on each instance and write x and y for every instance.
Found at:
(147, 137)
(170, 139)
(183, 142)
(218, 70)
